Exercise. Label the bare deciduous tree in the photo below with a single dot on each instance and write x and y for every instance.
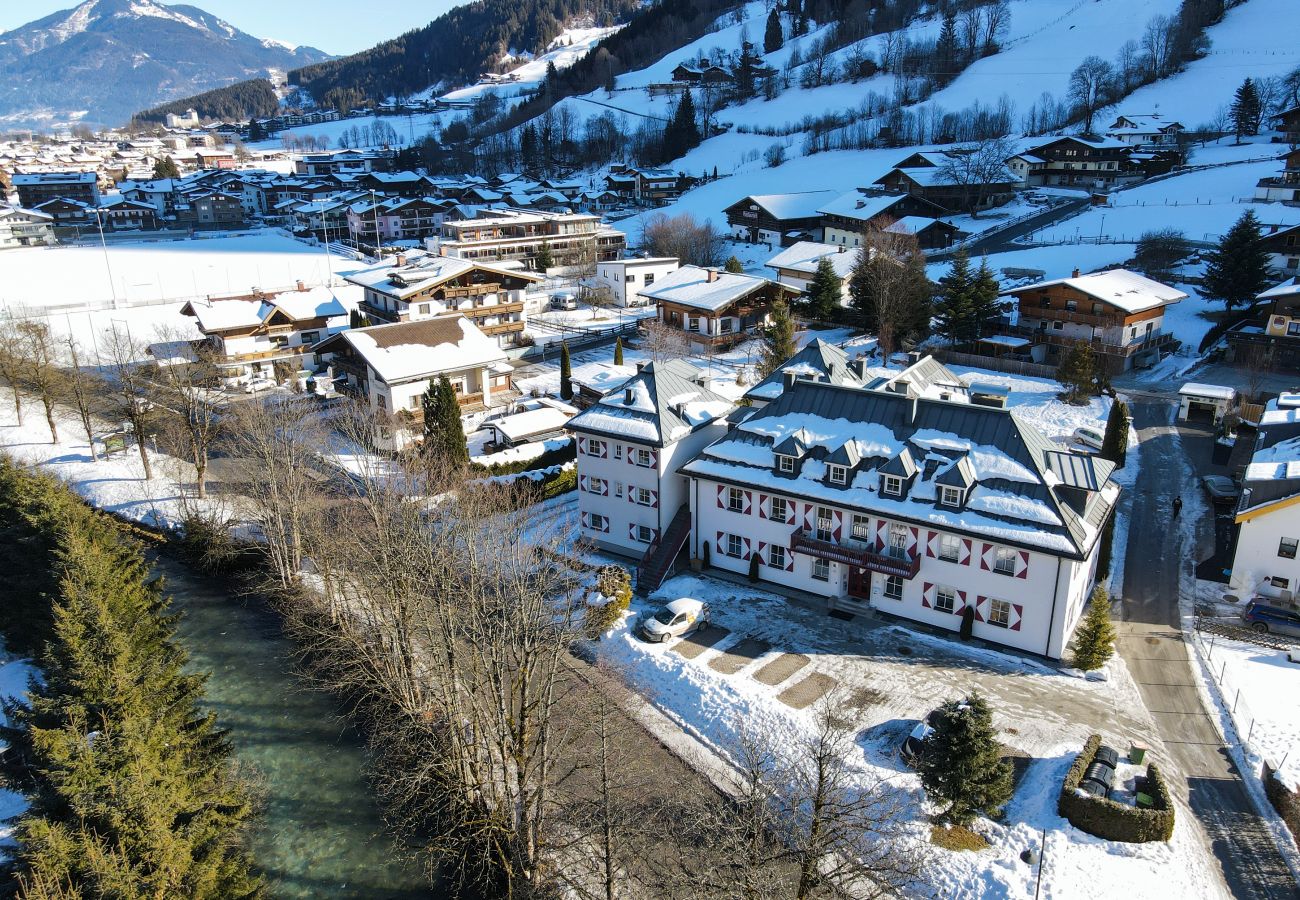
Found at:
(663, 342)
(977, 166)
(84, 388)
(1090, 84)
(681, 236)
(11, 367)
(42, 370)
(128, 388)
(191, 401)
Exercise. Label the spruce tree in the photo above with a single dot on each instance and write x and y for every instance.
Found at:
(824, 292)
(1114, 444)
(1077, 373)
(1094, 641)
(1246, 111)
(566, 373)
(1105, 548)
(985, 308)
(166, 168)
(860, 298)
(130, 787)
(961, 766)
(444, 435)
(1237, 270)
(778, 339)
(618, 351)
(734, 265)
(952, 308)
(773, 39)
(945, 50)
(544, 259)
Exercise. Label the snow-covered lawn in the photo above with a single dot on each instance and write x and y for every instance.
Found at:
(1039, 710)
(151, 272)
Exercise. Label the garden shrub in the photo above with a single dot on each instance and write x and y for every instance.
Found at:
(1109, 819)
(615, 584)
(1286, 802)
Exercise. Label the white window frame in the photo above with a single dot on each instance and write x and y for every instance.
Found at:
(821, 569)
(645, 534)
(893, 588)
(861, 528)
(946, 541)
(597, 522)
(949, 495)
(596, 447)
(944, 593)
(618, 451)
(784, 509)
(1007, 554)
(643, 457)
(895, 549)
(824, 523)
(837, 474)
(735, 500)
(735, 546)
(1283, 548)
(785, 464)
(891, 485)
(643, 496)
(776, 556)
(999, 613)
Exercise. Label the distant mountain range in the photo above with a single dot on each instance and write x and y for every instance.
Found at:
(105, 59)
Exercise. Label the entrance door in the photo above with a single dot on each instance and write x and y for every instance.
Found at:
(859, 584)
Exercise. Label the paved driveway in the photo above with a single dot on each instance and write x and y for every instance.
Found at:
(1158, 658)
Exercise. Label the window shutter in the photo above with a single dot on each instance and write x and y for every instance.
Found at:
(838, 518)
(986, 559)
(930, 538)
(749, 503)
(1022, 564)
(981, 608)
(1017, 611)
(960, 605)
(720, 489)
(963, 555)
(763, 507)
(927, 595)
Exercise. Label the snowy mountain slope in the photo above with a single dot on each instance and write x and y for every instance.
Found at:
(1259, 39)
(105, 59)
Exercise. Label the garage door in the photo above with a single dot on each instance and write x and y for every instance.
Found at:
(1200, 411)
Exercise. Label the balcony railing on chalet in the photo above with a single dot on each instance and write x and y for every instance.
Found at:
(853, 554)
(472, 290)
(263, 355)
(496, 309)
(501, 328)
(1150, 342)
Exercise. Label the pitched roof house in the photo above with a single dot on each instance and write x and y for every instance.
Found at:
(712, 307)
(1267, 555)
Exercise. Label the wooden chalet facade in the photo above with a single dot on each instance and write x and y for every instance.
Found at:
(777, 220)
(1283, 247)
(712, 308)
(1074, 162)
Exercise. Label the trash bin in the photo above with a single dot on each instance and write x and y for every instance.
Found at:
(1137, 753)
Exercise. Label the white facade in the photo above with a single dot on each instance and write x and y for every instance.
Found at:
(625, 278)
(1266, 559)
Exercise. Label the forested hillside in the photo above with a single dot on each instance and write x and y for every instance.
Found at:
(254, 98)
(456, 46)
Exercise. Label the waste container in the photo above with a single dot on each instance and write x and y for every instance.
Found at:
(1137, 753)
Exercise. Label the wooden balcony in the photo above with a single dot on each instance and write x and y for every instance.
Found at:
(500, 309)
(473, 290)
(264, 355)
(1060, 314)
(1155, 341)
(501, 328)
(854, 554)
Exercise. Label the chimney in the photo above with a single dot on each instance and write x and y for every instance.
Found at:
(902, 386)
(1076, 274)
(789, 378)
(301, 287)
(859, 367)
(401, 260)
(712, 274)
(627, 396)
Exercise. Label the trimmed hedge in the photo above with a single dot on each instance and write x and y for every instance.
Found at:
(1286, 802)
(555, 457)
(1109, 819)
(614, 583)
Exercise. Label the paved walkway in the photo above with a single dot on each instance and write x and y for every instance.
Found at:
(1158, 658)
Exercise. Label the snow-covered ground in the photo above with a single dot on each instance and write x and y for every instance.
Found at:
(571, 45)
(1038, 710)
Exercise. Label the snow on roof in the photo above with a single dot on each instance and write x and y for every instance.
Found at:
(691, 286)
(1217, 391)
(1005, 340)
(805, 255)
(860, 206)
(224, 315)
(1281, 462)
(912, 225)
(1129, 291)
(661, 403)
(797, 205)
(422, 271)
(1288, 288)
(409, 351)
(532, 422)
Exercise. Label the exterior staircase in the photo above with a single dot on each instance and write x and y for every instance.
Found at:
(660, 555)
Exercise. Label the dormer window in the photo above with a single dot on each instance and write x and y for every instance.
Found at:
(949, 496)
(785, 464)
(891, 485)
(837, 474)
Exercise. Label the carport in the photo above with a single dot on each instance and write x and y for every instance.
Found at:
(1205, 402)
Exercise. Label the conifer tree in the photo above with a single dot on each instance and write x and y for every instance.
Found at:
(1246, 111)
(544, 259)
(824, 291)
(1236, 271)
(129, 784)
(952, 308)
(618, 351)
(860, 281)
(444, 435)
(961, 765)
(166, 168)
(1094, 641)
(778, 339)
(1114, 444)
(773, 39)
(945, 50)
(1077, 373)
(985, 308)
(566, 373)
(734, 265)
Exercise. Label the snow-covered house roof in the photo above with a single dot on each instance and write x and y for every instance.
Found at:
(419, 350)
(818, 360)
(708, 289)
(228, 315)
(796, 205)
(660, 404)
(1125, 290)
(1288, 288)
(1273, 473)
(916, 225)
(804, 256)
(861, 206)
(1016, 490)
(423, 271)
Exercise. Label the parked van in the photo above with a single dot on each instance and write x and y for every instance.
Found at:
(1268, 619)
(564, 300)
(1089, 437)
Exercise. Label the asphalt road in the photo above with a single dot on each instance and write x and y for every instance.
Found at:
(1158, 658)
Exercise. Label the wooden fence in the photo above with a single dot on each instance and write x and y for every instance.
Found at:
(996, 363)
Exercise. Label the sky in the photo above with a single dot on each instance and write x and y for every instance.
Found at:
(335, 26)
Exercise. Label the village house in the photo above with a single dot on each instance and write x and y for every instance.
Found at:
(657, 185)
(630, 446)
(343, 162)
(255, 337)
(422, 285)
(817, 361)
(1288, 122)
(926, 176)
(389, 368)
(1266, 559)
(777, 220)
(1148, 131)
(205, 210)
(1118, 312)
(847, 216)
(1074, 161)
(625, 278)
(1274, 342)
(574, 240)
(396, 219)
(120, 214)
(65, 213)
(797, 264)
(1284, 188)
(25, 228)
(38, 187)
(712, 308)
(1283, 247)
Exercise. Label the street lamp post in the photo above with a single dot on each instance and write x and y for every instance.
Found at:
(374, 209)
(103, 243)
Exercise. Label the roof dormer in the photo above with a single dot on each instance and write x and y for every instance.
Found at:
(789, 453)
(953, 485)
(841, 463)
(896, 473)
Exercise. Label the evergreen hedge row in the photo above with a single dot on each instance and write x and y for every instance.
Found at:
(1111, 820)
(1286, 802)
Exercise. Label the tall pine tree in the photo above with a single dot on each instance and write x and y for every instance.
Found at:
(1247, 111)
(860, 280)
(1236, 271)
(985, 308)
(618, 351)
(1114, 444)
(444, 435)
(773, 39)
(778, 339)
(1094, 640)
(544, 259)
(961, 765)
(952, 308)
(824, 292)
(566, 373)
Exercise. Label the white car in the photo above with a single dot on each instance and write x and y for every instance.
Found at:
(254, 385)
(675, 619)
(1089, 437)
(564, 300)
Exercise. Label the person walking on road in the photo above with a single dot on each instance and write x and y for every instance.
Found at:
(1178, 506)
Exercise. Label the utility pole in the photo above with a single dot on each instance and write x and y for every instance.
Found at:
(112, 286)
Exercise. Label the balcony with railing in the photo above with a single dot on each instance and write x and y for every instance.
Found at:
(819, 543)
